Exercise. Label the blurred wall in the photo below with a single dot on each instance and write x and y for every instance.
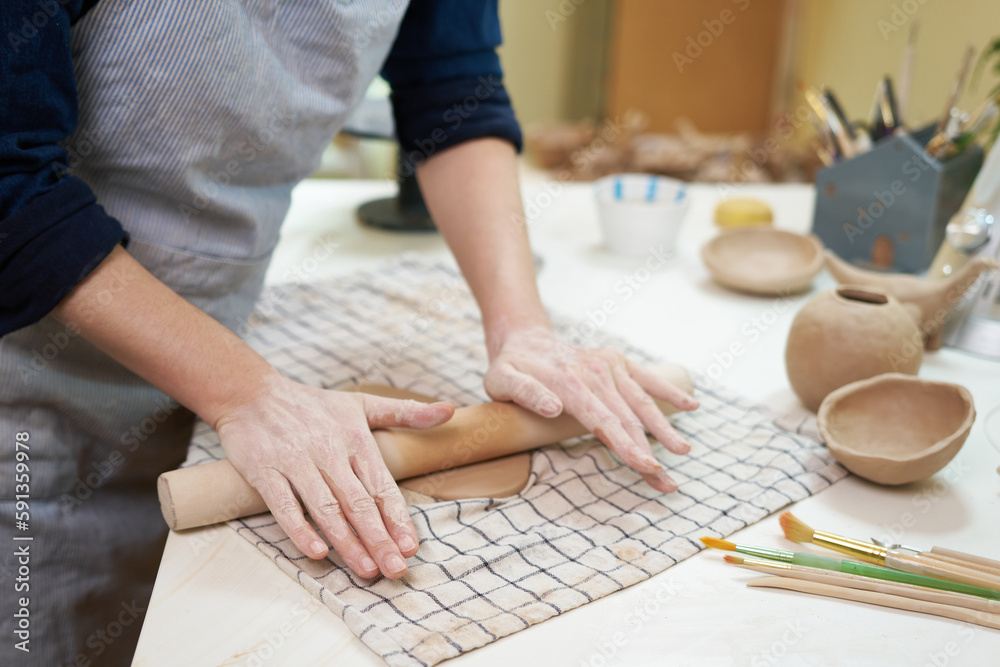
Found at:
(554, 54)
(848, 44)
(554, 57)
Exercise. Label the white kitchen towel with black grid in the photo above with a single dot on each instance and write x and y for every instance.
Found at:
(584, 527)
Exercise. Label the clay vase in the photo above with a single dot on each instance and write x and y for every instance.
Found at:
(930, 300)
(847, 334)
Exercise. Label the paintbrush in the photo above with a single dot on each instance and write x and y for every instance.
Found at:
(839, 125)
(850, 567)
(887, 104)
(895, 559)
(906, 70)
(986, 565)
(984, 619)
(839, 130)
(858, 582)
(955, 90)
(885, 116)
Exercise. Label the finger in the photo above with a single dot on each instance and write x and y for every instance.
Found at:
(606, 390)
(359, 506)
(659, 388)
(506, 383)
(277, 493)
(391, 412)
(608, 393)
(645, 407)
(326, 511)
(364, 516)
(375, 477)
(599, 420)
(661, 481)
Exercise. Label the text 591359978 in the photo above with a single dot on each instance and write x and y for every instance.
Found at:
(22, 540)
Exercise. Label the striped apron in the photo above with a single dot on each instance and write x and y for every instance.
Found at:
(197, 118)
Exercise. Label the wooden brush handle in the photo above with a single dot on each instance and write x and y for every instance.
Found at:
(985, 564)
(214, 492)
(932, 567)
(961, 562)
(982, 618)
(847, 580)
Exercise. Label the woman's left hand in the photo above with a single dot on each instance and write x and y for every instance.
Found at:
(610, 395)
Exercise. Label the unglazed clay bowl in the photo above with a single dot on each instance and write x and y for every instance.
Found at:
(895, 428)
(763, 260)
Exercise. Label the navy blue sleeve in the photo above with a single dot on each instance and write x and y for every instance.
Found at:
(52, 231)
(447, 84)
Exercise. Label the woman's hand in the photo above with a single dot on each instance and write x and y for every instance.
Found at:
(604, 391)
(291, 440)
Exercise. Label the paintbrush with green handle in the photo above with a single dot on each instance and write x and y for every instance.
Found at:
(850, 567)
(797, 530)
(844, 580)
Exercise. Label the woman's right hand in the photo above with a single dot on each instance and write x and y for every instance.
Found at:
(292, 439)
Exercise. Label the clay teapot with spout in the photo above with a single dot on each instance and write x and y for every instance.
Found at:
(928, 300)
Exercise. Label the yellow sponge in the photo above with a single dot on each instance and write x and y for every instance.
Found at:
(743, 212)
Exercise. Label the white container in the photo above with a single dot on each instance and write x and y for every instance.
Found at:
(640, 212)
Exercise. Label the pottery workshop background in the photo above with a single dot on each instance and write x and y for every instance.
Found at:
(716, 66)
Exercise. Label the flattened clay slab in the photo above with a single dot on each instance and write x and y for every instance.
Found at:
(387, 391)
(498, 478)
(502, 477)
(763, 260)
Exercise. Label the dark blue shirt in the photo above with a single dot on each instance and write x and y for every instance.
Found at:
(447, 88)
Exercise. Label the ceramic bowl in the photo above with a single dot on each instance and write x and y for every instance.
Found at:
(640, 213)
(895, 428)
(764, 260)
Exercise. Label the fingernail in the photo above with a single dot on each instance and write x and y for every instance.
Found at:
(367, 564)
(395, 564)
(650, 461)
(549, 406)
(406, 543)
(682, 447)
(317, 547)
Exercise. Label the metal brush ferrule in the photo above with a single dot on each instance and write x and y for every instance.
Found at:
(770, 564)
(863, 551)
(770, 554)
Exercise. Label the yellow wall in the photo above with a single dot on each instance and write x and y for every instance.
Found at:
(848, 44)
(534, 59)
(553, 68)
(552, 57)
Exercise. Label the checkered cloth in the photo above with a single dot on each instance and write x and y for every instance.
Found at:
(584, 527)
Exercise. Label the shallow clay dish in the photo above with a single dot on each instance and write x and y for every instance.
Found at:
(496, 478)
(763, 260)
(895, 428)
(505, 476)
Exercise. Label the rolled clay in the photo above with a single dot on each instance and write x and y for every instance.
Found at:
(214, 492)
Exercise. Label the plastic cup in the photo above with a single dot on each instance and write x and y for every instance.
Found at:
(640, 212)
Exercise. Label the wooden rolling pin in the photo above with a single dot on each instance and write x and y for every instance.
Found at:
(214, 492)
